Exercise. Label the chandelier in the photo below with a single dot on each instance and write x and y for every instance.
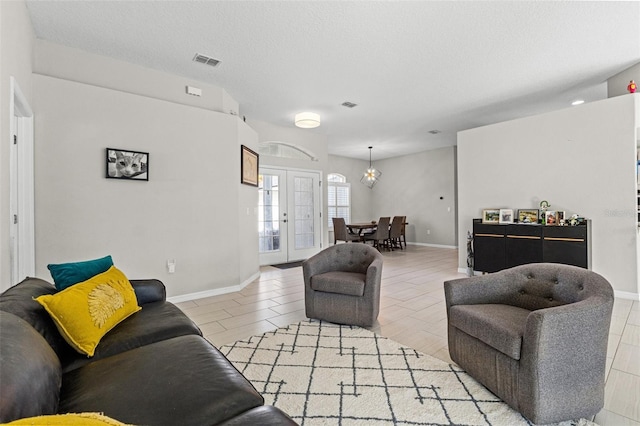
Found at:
(371, 176)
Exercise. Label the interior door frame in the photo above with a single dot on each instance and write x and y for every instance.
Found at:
(21, 182)
(289, 218)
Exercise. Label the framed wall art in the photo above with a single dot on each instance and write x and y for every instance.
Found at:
(506, 216)
(125, 164)
(249, 166)
(491, 216)
(528, 216)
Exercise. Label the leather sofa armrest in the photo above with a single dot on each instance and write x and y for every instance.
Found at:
(149, 290)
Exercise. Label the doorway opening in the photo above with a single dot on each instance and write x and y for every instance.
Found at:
(290, 215)
(21, 184)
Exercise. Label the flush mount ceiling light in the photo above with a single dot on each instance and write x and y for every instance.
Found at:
(371, 176)
(307, 120)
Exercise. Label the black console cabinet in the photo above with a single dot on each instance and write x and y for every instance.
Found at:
(499, 246)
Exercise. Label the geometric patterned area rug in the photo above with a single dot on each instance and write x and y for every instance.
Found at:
(322, 373)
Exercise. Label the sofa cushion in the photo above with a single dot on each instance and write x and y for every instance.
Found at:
(87, 311)
(499, 326)
(30, 372)
(349, 283)
(184, 380)
(19, 300)
(265, 415)
(155, 322)
(78, 419)
(68, 274)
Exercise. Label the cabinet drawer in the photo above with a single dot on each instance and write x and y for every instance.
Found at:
(566, 233)
(486, 230)
(524, 231)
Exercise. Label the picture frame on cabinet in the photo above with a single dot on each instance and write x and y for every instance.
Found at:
(491, 216)
(529, 216)
(506, 216)
(550, 217)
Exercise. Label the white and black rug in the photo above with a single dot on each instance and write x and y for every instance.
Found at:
(326, 374)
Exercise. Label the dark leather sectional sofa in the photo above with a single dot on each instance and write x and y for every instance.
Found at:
(154, 368)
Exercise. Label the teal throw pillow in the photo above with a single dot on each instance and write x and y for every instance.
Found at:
(68, 274)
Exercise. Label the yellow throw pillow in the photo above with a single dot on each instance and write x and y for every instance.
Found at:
(84, 419)
(85, 312)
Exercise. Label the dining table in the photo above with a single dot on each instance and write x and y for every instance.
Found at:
(359, 228)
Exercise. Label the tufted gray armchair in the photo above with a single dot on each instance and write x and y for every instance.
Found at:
(342, 284)
(534, 335)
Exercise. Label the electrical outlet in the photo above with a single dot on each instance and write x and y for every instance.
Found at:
(171, 266)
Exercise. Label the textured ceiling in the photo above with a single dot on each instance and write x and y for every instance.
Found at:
(410, 66)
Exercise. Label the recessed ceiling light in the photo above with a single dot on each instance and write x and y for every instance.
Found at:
(577, 102)
(349, 104)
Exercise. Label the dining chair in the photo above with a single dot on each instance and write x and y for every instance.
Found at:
(395, 232)
(381, 234)
(341, 233)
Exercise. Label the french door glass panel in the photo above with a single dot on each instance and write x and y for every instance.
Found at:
(268, 216)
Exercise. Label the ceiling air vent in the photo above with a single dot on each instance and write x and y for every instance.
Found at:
(434, 132)
(207, 60)
(349, 104)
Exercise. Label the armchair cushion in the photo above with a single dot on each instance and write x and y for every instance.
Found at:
(350, 283)
(499, 326)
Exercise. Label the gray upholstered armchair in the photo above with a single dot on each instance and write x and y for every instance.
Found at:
(534, 335)
(342, 284)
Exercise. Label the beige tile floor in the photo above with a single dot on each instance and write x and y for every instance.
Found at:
(412, 312)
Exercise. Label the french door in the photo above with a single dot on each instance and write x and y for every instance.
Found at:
(289, 219)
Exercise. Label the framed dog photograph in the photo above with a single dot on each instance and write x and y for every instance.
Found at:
(129, 165)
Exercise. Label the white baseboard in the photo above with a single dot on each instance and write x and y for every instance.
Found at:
(213, 292)
(626, 295)
(431, 245)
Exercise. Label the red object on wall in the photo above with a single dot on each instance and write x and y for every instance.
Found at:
(632, 87)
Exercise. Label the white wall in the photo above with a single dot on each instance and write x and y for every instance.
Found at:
(410, 185)
(580, 159)
(188, 211)
(16, 41)
(56, 60)
(617, 85)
